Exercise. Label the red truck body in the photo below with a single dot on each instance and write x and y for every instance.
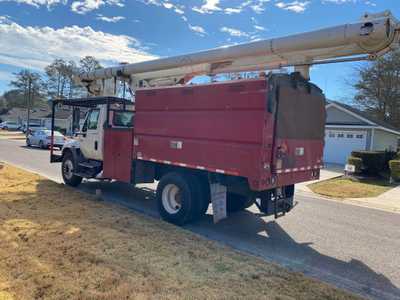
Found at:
(269, 132)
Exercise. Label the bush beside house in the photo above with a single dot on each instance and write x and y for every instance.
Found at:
(394, 166)
(372, 163)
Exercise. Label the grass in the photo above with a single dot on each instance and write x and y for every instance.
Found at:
(58, 243)
(343, 187)
(15, 135)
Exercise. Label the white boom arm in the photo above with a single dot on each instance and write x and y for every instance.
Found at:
(374, 35)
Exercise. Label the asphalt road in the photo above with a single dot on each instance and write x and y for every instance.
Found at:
(351, 247)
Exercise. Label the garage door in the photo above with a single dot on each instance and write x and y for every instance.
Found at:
(339, 144)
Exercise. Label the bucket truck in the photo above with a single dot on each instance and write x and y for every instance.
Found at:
(232, 143)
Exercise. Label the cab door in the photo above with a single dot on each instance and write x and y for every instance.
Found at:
(89, 138)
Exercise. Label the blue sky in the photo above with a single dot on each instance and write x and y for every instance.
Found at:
(34, 32)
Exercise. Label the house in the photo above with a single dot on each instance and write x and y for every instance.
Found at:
(348, 129)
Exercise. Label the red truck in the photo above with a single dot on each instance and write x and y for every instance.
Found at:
(253, 138)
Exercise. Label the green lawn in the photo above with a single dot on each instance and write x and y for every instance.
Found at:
(343, 187)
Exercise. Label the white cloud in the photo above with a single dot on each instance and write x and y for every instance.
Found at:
(5, 19)
(110, 19)
(259, 28)
(37, 3)
(179, 9)
(198, 30)
(295, 6)
(84, 6)
(231, 10)
(259, 6)
(234, 32)
(36, 47)
(208, 7)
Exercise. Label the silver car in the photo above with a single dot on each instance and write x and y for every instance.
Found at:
(42, 138)
(9, 125)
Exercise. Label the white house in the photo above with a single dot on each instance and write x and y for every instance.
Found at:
(348, 129)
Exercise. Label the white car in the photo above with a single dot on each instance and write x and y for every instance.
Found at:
(42, 138)
(9, 125)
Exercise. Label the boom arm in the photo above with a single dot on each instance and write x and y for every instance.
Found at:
(369, 38)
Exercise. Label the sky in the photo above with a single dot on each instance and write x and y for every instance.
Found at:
(35, 32)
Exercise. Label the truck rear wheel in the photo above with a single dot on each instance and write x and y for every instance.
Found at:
(177, 198)
(67, 170)
(236, 202)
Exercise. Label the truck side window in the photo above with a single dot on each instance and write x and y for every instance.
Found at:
(123, 118)
(93, 119)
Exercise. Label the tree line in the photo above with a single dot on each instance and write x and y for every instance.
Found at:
(56, 82)
(377, 86)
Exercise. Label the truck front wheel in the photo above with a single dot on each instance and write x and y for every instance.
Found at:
(177, 199)
(67, 170)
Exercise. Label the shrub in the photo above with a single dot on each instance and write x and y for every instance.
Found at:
(394, 166)
(373, 161)
(356, 162)
(389, 155)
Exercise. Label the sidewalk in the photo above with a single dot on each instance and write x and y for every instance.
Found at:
(388, 201)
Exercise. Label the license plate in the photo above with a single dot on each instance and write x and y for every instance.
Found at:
(350, 168)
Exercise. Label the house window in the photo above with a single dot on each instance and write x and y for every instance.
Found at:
(359, 136)
(332, 135)
(350, 136)
(340, 135)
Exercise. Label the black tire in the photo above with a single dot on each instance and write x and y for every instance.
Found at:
(235, 202)
(204, 196)
(28, 143)
(41, 145)
(69, 178)
(173, 188)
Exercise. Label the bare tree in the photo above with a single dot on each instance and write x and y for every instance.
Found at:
(378, 88)
(59, 83)
(88, 64)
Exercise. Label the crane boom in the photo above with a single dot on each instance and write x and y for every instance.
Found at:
(372, 36)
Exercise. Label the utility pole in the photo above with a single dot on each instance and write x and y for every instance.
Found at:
(29, 104)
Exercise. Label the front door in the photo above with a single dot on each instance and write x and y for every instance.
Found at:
(90, 138)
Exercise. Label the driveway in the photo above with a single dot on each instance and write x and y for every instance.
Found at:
(352, 247)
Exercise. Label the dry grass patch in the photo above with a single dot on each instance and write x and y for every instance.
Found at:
(13, 135)
(343, 187)
(58, 243)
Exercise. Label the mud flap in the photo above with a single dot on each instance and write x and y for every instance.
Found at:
(218, 200)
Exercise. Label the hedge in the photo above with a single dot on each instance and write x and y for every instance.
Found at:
(356, 162)
(394, 166)
(373, 161)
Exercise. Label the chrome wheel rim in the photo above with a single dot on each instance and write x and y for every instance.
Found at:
(68, 169)
(171, 198)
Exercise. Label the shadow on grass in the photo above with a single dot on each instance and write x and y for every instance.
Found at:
(275, 245)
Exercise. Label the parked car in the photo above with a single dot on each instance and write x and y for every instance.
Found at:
(9, 125)
(42, 138)
(32, 127)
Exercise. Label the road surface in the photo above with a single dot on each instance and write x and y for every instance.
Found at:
(352, 247)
